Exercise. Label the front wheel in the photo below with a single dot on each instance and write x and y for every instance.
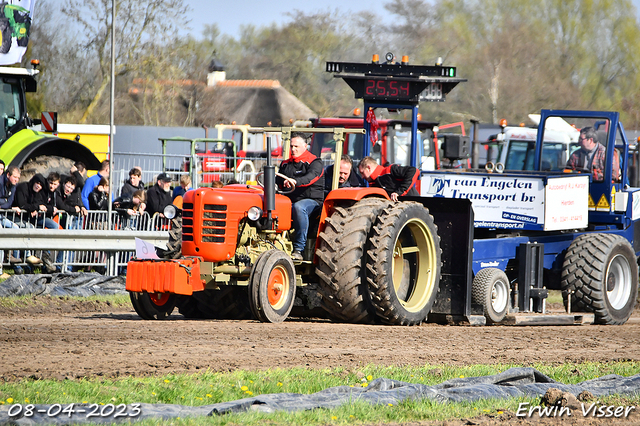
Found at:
(272, 286)
(403, 265)
(153, 306)
(600, 275)
(490, 289)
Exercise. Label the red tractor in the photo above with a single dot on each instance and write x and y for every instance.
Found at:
(235, 258)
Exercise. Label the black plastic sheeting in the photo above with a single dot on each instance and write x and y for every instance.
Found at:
(71, 284)
(515, 382)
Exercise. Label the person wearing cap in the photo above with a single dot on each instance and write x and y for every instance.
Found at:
(159, 195)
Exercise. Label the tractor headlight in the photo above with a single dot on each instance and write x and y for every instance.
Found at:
(254, 213)
(170, 211)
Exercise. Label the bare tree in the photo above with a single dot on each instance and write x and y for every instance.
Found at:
(140, 24)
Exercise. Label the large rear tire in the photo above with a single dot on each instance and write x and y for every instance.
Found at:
(600, 274)
(174, 245)
(153, 306)
(272, 286)
(342, 261)
(5, 34)
(403, 267)
(490, 290)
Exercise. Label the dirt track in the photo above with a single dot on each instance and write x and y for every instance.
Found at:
(79, 339)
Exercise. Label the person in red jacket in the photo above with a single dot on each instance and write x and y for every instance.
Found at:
(306, 176)
(395, 179)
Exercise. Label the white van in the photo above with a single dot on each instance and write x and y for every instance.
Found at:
(515, 148)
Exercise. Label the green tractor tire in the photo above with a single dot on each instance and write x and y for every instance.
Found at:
(28, 146)
(5, 34)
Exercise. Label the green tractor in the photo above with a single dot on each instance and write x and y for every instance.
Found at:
(14, 22)
(22, 146)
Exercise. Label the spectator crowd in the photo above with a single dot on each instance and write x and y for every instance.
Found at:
(65, 201)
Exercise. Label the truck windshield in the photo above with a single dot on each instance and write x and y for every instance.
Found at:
(399, 145)
(521, 154)
(9, 106)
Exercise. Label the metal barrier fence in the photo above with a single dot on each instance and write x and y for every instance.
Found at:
(206, 171)
(73, 242)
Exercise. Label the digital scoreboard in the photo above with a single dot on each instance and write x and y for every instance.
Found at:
(396, 83)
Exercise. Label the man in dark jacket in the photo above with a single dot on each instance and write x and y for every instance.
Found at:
(159, 195)
(306, 178)
(78, 171)
(99, 197)
(93, 181)
(395, 179)
(133, 184)
(50, 195)
(8, 182)
(28, 198)
(347, 177)
(69, 199)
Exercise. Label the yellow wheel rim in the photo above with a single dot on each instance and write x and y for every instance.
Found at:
(414, 249)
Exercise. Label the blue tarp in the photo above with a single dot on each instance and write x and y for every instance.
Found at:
(515, 382)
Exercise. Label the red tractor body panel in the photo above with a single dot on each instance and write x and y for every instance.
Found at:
(211, 219)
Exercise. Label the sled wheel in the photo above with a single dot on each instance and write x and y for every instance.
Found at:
(403, 267)
(152, 306)
(491, 291)
(272, 286)
(600, 274)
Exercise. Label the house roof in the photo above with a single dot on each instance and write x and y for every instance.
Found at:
(253, 102)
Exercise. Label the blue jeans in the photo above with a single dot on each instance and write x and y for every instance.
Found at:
(301, 212)
(48, 223)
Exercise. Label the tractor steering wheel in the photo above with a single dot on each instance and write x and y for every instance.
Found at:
(278, 190)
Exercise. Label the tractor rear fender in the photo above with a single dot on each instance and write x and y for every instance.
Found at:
(341, 195)
(27, 144)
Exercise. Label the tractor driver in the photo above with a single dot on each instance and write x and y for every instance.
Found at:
(306, 178)
(347, 176)
(591, 156)
(395, 179)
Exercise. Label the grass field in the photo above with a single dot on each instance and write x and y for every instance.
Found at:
(209, 388)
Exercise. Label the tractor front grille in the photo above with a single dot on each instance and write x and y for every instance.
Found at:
(213, 239)
(214, 223)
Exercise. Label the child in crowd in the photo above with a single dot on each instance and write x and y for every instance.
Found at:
(130, 207)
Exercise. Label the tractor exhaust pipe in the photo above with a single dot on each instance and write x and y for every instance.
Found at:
(269, 186)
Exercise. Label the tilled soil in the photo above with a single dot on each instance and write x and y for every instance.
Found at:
(67, 339)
